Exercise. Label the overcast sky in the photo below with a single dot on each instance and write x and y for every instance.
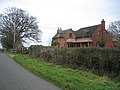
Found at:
(66, 14)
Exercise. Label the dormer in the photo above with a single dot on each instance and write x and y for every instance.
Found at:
(85, 32)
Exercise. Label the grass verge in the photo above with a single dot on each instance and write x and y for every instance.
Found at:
(66, 78)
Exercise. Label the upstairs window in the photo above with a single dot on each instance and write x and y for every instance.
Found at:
(70, 35)
(85, 33)
(98, 33)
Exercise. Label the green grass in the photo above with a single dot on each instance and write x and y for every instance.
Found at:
(66, 78)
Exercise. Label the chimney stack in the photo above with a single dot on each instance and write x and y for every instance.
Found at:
(59, 30)
(103, 24)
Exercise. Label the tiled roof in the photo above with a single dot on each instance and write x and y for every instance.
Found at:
(89, 30)
(62, 34)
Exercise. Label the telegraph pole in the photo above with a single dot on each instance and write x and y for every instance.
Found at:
(14, 35)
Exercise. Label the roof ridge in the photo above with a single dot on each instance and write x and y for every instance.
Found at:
(90, 26)
(67, 29)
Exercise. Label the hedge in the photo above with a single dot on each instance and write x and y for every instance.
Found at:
(97, 60)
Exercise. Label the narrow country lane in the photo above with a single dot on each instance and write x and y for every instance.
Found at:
(15, 77)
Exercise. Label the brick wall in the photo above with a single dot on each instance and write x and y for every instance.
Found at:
(62, 41)
(102, 34)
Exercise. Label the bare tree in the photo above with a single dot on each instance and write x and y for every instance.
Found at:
(18, 24)
(114, 28)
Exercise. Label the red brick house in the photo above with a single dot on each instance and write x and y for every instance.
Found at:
(92, 36)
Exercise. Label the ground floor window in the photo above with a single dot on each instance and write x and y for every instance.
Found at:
(77, 44)
(58, 45)
(82, 44)
(85, 44)
(71, 45)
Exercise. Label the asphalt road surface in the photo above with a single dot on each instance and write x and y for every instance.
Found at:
(15, 77)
